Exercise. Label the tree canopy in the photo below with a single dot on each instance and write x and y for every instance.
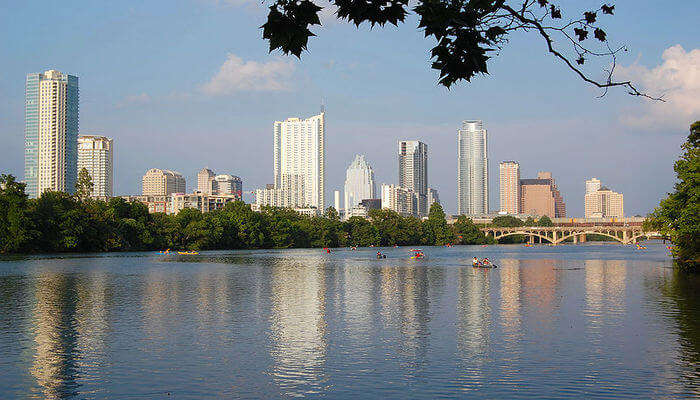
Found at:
(678, 215)
(467, 33)
(59, 222)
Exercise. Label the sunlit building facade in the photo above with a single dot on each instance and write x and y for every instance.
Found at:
(472, 169)
(96, 155)
(359, 182)
(509, 172)
(161, 182)
(51, 132)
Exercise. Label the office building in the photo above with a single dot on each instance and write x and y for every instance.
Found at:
(205, 181)
(51, 132)
(210, 183)
(540, 197)
(509, 187)
(472, 169)
(336, 201)
(160, 182)
(225, 184)
(592, 185)
(359, 182)
(200, 201)
(413, 172)
(300, 161)
(96, 155)
(604, 203)
(433, 197)
(403, 201)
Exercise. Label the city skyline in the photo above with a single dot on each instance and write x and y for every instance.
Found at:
(181, 108)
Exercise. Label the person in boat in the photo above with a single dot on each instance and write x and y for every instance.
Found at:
(380, 255)
(486, 262)
(475, 261)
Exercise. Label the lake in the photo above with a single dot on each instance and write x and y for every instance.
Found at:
(573, 321)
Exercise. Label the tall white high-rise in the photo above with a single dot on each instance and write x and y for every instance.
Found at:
(472, 169)
(51, 132)
(510, 187)
(413, 172)
(205, 181)
(359, 182)
(96, 155)
(300, 160)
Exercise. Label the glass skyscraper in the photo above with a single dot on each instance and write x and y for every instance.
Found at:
(472, 169)
(51, 132)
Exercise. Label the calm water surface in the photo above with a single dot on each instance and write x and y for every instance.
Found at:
(585, 321)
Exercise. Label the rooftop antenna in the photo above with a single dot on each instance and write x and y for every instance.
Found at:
(323, 105)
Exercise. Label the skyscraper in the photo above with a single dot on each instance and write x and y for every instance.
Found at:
(413, 171)
(51, 132)
(161, 182)
(96, 155)
(472, 169)
(541, 197)
(510, 187)
(205, 181)
(359, 182)
(300, 161)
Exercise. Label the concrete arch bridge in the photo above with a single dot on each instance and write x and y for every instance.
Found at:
(558, 234)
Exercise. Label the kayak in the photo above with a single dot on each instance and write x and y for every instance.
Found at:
(480, 265)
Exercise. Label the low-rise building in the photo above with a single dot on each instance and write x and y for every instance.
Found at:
(403, 201)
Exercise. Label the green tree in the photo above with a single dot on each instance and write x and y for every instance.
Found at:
(507, 221)
(84, 185)
(545, 221)
(678, 215)
(15, 229)
(468, 33)
(529, 222)
(467, 232)
(361, 232)
(438, 231)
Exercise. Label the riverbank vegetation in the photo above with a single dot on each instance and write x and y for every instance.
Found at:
(59, 222)
(678, 215)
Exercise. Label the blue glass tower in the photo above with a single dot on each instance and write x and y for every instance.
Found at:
(51, 130)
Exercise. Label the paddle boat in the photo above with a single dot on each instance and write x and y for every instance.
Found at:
(188, 253)
(417, 254)
(167, 251)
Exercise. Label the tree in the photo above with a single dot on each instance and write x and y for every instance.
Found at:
(15, 229)
(506, 221)
(84, 185)
(438, 231)
(467, 232)
(545, 221)
(468, 32)
(678, 215)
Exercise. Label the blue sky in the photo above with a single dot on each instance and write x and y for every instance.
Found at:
(187, 84)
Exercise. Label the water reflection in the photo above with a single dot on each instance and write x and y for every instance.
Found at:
(680, 295)
(473, 328)
(55, 335)
(605, 292)
(298, 328)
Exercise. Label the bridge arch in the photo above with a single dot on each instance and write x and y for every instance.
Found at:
(550, 240)
(576, 233)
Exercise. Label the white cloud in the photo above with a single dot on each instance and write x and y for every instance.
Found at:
(136, 99)
(677, 79)
(236, 75)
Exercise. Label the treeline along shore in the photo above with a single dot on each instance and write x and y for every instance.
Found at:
(60, 222)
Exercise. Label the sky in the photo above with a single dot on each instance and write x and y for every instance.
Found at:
(184, 84)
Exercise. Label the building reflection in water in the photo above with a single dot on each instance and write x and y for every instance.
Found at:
(510, 298)
(405, 309)
(298, 327)
(473, 326)
(539, 282)
(92, 325)
(358, 302)
(605, 292)
(56, 338)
